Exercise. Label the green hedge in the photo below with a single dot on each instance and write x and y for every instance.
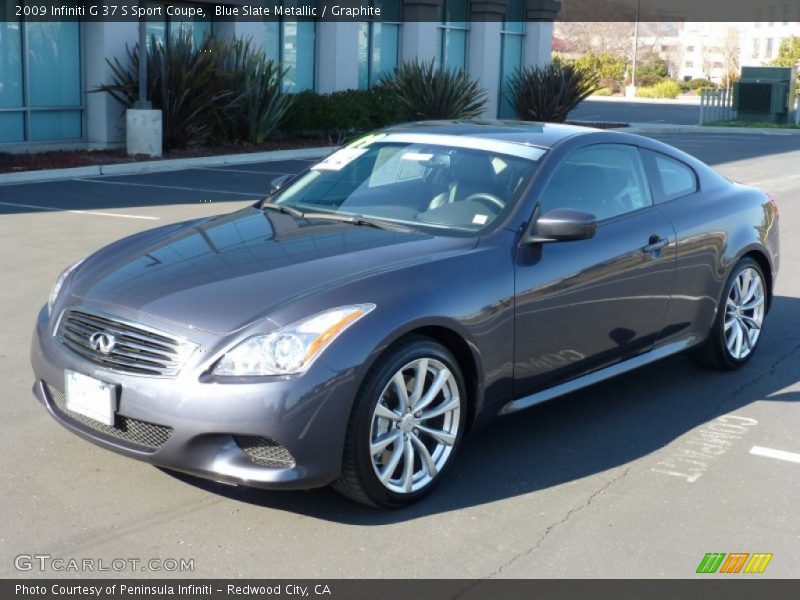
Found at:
(341, 114)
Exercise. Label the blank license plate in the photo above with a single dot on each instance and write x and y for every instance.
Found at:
(90, 397)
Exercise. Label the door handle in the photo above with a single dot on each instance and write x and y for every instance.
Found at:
(655, 244)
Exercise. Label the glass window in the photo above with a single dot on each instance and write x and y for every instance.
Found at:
(512, 40)
(412, 180)
(162, 26)
(40, 89)
(378, 50)
(292, 43)
(673, 179)
(379, 43)
(10, 61)
(606, 180)
(452, 41)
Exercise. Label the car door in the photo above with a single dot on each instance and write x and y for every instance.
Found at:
(583, 305)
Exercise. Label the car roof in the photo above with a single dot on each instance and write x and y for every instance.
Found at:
(531, 133)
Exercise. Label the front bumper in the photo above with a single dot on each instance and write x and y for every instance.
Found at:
(207, 428)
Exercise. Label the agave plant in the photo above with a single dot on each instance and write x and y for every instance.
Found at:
(261, 106)
(549, 92)
(428, 91)
(213, 91)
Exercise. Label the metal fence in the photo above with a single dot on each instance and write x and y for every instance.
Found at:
(716, 105)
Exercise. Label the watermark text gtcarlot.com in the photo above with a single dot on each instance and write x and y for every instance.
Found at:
(59, 564)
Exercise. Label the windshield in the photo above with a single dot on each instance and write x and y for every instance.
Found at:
(451, 184)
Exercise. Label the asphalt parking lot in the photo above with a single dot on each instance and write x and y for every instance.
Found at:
(636, 477)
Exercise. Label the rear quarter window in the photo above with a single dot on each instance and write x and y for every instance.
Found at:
(671, 178)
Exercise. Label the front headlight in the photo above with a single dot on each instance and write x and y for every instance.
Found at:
(59, 284)
(290, 349)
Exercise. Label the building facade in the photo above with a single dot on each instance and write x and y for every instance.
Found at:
(47, 70)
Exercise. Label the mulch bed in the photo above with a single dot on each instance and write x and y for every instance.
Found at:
(64, 159)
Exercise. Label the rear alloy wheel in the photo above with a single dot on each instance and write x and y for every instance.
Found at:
(406, 426)
(740, 319)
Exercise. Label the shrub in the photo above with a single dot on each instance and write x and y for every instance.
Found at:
(214, 91)
(693, 85)
(427, 91)
(603, 91)
(341, 114)
(549, 92)
(606, 65)
(664, 89)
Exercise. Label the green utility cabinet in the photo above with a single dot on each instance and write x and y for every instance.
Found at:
(765, 94)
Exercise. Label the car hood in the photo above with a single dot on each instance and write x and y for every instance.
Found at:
(222, 273)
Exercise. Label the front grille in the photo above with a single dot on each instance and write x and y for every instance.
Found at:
(146, 435)
(264, 452)
(136, 349)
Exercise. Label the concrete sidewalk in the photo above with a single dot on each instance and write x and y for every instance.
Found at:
(152, 166)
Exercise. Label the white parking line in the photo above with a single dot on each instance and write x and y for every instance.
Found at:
(171, 187)
(779, 454)
(81, 212)
(226, 170)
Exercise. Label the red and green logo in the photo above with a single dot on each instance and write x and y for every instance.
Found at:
(735, 562)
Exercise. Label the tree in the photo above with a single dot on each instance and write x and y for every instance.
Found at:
(789, 56)
(788, 53)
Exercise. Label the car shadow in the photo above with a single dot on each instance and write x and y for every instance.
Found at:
(602, 427)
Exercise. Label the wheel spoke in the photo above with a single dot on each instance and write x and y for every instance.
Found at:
(737, 352)
(433, 391)
(402, 391)
(443, 437)
(757, 301)
(729, 323)
(386, 413)
(384, 441)
(745, 335)
(426, 457)
(442, 409)
(420, 372)
(746, 282)
(386, 474)
(408, 465)
(750, 322)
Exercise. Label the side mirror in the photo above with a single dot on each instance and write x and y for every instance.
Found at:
(278, 183)
(560, 225)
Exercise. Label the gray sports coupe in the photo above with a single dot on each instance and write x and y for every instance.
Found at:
(356, 323)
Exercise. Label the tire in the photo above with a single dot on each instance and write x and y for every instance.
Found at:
(394, 428)
(718, 352)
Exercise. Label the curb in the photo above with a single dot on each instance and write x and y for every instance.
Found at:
(152, 166)
(652, 128)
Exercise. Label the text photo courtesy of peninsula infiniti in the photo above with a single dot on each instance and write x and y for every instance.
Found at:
(356, 324)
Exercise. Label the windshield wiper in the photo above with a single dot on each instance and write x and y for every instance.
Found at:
(360, 221)
(282, 208)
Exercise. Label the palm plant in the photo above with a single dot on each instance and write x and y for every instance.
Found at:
(427, 91)
(549, 92)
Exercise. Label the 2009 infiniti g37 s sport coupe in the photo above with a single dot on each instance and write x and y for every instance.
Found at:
(351, 327)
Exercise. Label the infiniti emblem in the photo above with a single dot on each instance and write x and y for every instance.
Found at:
(102, 342)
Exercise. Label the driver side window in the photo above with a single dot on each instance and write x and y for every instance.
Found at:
(606, 180)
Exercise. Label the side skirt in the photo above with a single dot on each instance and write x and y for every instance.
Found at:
(601, 375)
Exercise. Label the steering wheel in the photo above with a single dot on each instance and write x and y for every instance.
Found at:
(487, 198)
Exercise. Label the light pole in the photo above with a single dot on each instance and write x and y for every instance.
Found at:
(143, 103)
(632, 87)
(143, 125)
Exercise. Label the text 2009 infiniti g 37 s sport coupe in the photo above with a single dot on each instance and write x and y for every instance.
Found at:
(351, 327)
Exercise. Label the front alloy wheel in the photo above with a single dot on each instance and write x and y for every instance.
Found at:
(414, 425)
(406, 425)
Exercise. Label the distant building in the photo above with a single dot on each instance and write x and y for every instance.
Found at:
(760, 41)
(708, 51)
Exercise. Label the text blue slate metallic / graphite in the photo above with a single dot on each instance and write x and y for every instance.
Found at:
(351, 327)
